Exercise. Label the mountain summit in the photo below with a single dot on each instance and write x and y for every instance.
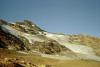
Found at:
(26, 37)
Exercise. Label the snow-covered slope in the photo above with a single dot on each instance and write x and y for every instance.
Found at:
(84, 52)
(17, 33)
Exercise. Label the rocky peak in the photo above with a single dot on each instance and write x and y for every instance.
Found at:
(27, 27)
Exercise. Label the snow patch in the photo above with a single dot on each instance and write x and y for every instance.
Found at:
(9, 29)
(32, 38)
(58, 57)
(17, 33)
(87, 52)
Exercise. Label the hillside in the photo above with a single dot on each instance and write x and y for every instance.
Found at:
(25, 39)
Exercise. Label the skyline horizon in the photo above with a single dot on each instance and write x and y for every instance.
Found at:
(85, 34)
(65, 16)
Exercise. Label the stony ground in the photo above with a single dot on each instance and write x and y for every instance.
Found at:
(14, 59)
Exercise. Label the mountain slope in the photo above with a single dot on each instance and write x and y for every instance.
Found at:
(27, 37)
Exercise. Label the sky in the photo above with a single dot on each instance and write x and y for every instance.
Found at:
(58, 16)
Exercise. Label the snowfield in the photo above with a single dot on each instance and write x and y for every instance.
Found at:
(84, 52)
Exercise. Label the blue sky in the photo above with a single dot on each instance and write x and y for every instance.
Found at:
(62, 16)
